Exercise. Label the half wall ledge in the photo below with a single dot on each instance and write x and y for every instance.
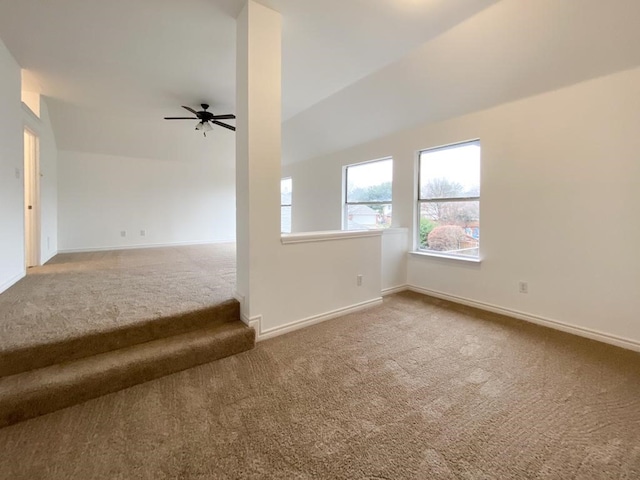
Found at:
(327, 236)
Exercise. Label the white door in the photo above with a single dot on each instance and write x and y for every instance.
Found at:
(31, 199)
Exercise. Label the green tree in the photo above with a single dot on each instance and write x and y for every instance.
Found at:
(373, 193)
(426, 226)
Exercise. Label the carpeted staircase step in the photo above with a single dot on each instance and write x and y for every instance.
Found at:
(41, 355)
(40, 391)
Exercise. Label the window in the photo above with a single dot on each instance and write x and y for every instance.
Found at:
(449, 200)
(368, 195)
(285, 205)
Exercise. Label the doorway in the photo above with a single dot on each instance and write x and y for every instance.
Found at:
(31, 198)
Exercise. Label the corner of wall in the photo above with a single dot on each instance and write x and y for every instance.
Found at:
(12, 264)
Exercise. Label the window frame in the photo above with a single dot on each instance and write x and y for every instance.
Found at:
(345, 195)
(419, 201)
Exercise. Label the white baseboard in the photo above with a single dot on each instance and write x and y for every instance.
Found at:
(253, 322)
(622, 342)
(392, 290)
(49, 257)
(238, 296)
(256, 322)
(135, 247)
(12, 281)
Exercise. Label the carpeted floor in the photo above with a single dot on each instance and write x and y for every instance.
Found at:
(79, 294)
(411, 389)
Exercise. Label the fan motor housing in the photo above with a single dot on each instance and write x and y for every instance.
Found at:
(204, 115)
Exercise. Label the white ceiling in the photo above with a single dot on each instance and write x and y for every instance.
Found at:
(124, 55)
(121, 53)
(330, 44)
(352, 69)
(511, 50)
(97, 59)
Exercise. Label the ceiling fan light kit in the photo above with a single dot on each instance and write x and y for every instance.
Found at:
(206, 119)
(204, 126)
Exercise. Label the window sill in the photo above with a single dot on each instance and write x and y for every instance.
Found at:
(446, 257)
(313, 237)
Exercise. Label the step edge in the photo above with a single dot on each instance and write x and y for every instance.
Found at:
(114, 339)
(27, 397)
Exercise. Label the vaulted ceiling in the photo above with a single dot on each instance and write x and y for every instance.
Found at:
(352, 69)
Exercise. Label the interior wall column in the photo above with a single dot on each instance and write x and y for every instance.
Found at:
(258, 153)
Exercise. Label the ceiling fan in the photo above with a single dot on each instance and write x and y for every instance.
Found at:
(206, 117)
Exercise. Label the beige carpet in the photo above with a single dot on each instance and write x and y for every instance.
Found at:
(76, 295)
(411, 389)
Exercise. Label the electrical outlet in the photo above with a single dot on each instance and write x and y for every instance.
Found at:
(18, 173)
(523, 287)
(359, 280)
(123, 233)
(143, 233)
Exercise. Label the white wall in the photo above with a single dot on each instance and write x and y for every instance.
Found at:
(317, 194)
(283, 286)
(48, 178)
(12, 262)
(314, 281)
(176, 202)
(394, 259)
(511, 50)
(560, 197)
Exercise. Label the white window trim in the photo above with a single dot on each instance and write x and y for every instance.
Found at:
(424, 253)
(417, 251)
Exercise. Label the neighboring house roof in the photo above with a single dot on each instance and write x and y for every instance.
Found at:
(361, 210)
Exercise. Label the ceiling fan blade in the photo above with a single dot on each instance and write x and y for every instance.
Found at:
(190, 109)
(224, 125)
(224, 117)
(180, 118)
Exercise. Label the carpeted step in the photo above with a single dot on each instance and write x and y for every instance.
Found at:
(41, 355)
(36, 392)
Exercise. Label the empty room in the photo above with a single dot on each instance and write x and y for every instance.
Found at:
(337, 239)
